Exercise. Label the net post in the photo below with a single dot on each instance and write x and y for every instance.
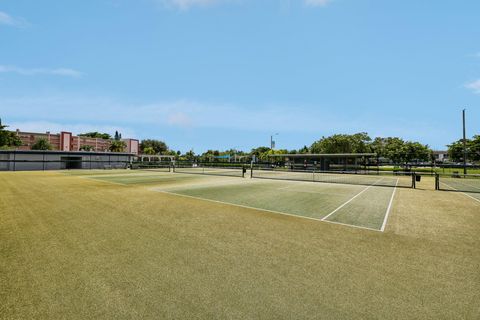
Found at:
(414, 180)
(251, 170)
(437, 181)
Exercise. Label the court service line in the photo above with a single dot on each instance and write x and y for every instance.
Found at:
(104, 181)
(466, 194)
(353, 198)
(349, 225)
(389, 207)
(260, 209)
(467, 185)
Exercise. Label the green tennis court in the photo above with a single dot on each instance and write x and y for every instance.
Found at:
(466, 184)
(146, 244)
(365, 206)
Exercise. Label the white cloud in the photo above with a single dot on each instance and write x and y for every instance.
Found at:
(182, 122)
(65, 72)
(182, 114)
(474, 86)
(187, 4)
(185, 115)
(8, 20)
(179, 119)
(316, 3)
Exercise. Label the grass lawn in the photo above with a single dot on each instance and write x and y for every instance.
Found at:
(132, 245)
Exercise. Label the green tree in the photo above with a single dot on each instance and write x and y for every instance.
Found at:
(2, 127)
(400, 151)
(415, 151)
(159, 146)
(95, 134)
(395, 150)
(304, 150)
(87, 148)
(118, 136)
(117, 146)
(41, 144)
(190, 155)
(378, 146)
(267, 156)
(171, 153)
(258, 151)
(149, 151)
(8, 138)
(475, 148)
(455, 150)
(209, 155)
(342, 143)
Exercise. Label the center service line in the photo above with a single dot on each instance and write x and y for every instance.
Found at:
(354, 197)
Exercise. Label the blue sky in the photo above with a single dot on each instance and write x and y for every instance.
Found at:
(217, 74)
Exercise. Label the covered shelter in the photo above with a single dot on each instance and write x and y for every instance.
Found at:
(326, 162)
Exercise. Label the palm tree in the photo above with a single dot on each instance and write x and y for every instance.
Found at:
(149, 151)
(41, 144)
(117, 146)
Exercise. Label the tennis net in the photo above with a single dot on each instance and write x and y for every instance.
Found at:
(458, 182)
(232, 171)
(386, 179)
(152, 167)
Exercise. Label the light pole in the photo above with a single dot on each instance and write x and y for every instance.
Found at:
(272, 143)
(464, 144)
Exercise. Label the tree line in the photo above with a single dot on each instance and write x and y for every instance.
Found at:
(395, 149)
(456, 150)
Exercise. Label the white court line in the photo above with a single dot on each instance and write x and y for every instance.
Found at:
(349, 225)
(471, 196)
(353, 198)
(246, 207)
(308, 192)
(260, 209)
(467, 185)
(105, 181)
(389, 207)
(466, 194)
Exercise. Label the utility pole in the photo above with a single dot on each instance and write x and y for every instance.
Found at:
(272, 143)
(464, 144)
